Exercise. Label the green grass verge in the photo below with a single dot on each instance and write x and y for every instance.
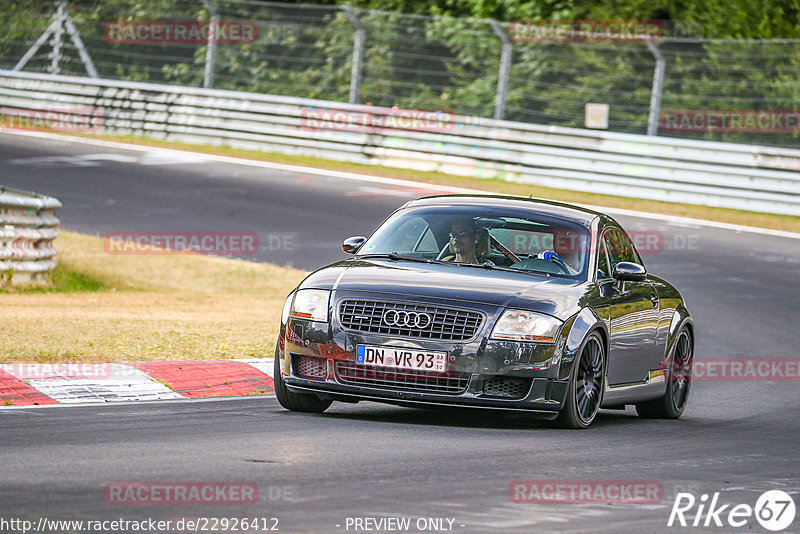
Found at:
(63, 279)
(100, 307)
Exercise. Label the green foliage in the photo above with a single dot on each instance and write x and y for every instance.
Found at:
(63, 279)
(68, 280)
(450, 57)
(6, 277)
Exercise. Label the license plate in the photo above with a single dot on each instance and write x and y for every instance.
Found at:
(401, 358)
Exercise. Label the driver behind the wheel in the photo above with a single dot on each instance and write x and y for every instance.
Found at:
(465, 238)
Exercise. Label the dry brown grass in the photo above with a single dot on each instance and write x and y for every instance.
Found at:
(146, 308)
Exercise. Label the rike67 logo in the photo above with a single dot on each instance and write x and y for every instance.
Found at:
(774, 510)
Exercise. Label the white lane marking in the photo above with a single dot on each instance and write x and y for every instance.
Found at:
(371, 191)
(399, 182)
(122, 383)
(136, 402)
(87, 160)
(152, 157)
(165, 157)
(262, 364)
(93, 383)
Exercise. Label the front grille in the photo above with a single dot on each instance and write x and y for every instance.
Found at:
(445, 323)
(348, 372)
(507, 387)
(310, 368)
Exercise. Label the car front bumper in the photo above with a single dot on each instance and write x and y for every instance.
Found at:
(539, 393)
(482, 372)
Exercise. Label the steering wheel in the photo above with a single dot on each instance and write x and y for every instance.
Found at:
(552, 257)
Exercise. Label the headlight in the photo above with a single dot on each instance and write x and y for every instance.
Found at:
(519, 325)
(287, 306)
(311, 304)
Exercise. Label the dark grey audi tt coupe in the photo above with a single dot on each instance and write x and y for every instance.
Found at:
(491, 302)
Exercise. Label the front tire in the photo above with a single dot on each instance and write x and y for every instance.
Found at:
(679, 378)
(585, 390)
(295, 402)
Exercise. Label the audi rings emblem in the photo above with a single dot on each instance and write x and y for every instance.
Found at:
(407, 319)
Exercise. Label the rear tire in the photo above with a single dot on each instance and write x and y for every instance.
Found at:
(585, 390)
(679, 378)
(295, 402)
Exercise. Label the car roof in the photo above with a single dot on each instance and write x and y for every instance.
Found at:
(578, 214)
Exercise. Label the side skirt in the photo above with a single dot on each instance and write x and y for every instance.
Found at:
(652, 387)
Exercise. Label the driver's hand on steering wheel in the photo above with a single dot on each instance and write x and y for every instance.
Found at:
(549, 255)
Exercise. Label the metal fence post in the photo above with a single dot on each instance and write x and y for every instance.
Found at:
(505, 66)
(358, 54)
(56, 30)
(211, 45)
(35, 48)
(58, 37)
(78, 42)
(658, 85)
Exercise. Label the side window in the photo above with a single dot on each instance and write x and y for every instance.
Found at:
(427, 243)
(620, 248)
(407, 236)
(603, 270)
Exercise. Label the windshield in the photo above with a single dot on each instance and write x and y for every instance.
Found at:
(507, 238)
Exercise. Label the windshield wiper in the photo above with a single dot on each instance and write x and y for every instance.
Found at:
(493, 267)
(395, 256)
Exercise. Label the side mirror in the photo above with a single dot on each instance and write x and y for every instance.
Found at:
(352, 244)
(629, 272)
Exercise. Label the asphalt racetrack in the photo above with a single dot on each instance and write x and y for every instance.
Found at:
(453, 469)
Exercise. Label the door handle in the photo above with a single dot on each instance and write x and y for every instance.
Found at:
(654, 299)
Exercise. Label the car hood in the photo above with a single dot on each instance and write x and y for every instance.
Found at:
(555, 296)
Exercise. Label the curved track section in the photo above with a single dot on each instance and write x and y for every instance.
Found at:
(369, 461)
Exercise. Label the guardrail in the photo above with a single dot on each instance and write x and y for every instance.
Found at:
(747, 177)
(27, 230)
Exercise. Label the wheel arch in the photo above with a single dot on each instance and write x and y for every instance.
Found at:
(579, 327)
(680, 319)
